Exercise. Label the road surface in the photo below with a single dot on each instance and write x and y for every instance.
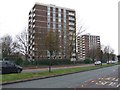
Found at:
(109, 81)
(66, 81)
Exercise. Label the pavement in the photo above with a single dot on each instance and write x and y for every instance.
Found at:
(72, 80)
(45, 68)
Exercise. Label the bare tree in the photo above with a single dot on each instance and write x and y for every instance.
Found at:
(6, 46)
(94, 53)
(80, 29)
(21, 44)
(107, 51)
(112, 55)
(51, 43)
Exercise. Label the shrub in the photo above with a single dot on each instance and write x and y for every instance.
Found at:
(87, 61)
(18, 61)
(45, 62)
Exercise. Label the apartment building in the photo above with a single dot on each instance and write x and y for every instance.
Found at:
(62, 21)
(85, 43)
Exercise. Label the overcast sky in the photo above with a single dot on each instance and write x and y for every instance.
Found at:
(99, 17)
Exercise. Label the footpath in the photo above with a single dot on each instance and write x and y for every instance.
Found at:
(56, 67)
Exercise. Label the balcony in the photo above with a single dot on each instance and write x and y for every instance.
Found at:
(71, 18)
(71, 13)
(70, 33)
(70, 38)
(70, 23)
(71, 28)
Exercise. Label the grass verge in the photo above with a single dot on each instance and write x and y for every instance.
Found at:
(22, 76)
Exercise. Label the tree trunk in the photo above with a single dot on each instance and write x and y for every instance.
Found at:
(101, 62)
(50, 62)
(108, 58)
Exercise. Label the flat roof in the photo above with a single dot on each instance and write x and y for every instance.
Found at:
(54, 6)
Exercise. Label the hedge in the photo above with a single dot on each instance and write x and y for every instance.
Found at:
(42, 62)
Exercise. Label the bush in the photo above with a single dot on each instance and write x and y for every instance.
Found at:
(80, 62)
(18, 61)
(54, 62)
(87, 61)
(44, 62)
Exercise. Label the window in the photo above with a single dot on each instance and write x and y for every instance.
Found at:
(59, 25)
(64, 25)
(64, 20)
(59, 20)
(48, 13)
(70, 13)
(59, 10)
(64, 36)
(54, 26)
(48, 23)
(59, 30)
(70, 38)
(59, 15)
(53, 19)
(70, 23)
(53, 14)
(33, 25)
(60, 36)
(64, 12)
(71, 28)
(71, 18)
(70, 33)
(48, 18)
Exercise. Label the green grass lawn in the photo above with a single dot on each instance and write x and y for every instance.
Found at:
(21, 76)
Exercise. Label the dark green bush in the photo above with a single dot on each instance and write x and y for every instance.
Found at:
(87, 61)
(43, 62)
(53, 62)
(18, 61)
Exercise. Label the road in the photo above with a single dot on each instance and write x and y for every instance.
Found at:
(109, 81)
(67, 81)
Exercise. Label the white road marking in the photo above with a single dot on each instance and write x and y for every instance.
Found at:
(107, 78)
(99, 78)
(97, 83)
(104, 83)
(82, 86)
(110, 84)
(118, 85)
(113, 79)
(113, 84)
(116, 80)
(92, 81)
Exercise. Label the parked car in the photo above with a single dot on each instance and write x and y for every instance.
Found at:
(110, 62)
(97, 62)
(115, 61)
(9, 67)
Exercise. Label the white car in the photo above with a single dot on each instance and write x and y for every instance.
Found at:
(111, 62)
(97, 62)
